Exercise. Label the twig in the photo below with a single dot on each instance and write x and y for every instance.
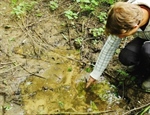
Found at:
(84, 113)
(9, 69)
(126, 113)
(4, 53)
(43, 39)
(6, 63)
(32, 73)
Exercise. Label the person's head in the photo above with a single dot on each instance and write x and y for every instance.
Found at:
(123, 17)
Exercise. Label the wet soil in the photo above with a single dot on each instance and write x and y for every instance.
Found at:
(43, 69)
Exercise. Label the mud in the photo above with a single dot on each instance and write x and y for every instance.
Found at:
(43, 69)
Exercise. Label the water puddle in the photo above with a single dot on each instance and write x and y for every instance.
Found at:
(62, 89)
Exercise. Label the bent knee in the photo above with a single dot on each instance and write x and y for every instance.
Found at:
(128, 57)
(146, 48)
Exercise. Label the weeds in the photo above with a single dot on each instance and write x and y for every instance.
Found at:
(88, 5)
(102, 17)
(88, 70)
(122, 73)
(22, 8)
(79, 40)
(53, 5)
(93, 106)
(95, 41)
(61, 104)
(71, 15)
(124, 77)
(147, 109)
(97, 31)
(14, 2)
(108, 1)
(7, 107)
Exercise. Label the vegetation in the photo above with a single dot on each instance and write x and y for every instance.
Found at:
(21, 8)
(53, 5)
(76, 11)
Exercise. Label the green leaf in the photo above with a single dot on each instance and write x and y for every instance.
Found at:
(145, 110)
(88, 70)
(69, 69)
(93, 105)
(85, 1)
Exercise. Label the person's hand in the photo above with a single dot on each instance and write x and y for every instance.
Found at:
(90, 81)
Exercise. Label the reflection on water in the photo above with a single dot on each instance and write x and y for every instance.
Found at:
(63, 90)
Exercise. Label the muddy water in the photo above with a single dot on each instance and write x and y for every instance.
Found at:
(61, 88)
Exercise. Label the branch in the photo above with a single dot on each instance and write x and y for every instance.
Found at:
(84, 113)
(126, 113)
(32, 73)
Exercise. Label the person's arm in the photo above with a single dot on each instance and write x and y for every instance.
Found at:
(105, 56)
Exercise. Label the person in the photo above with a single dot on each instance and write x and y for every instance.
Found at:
(125, 19)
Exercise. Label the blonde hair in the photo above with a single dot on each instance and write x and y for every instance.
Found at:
(123, 16)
